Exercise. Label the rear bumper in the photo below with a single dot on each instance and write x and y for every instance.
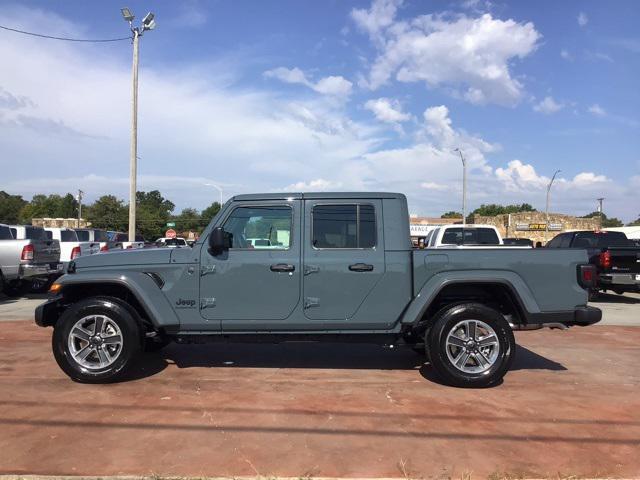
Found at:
(30, 270)
(627, 282)
(581, 316)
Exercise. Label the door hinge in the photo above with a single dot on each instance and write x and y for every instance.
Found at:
(207, 303)
(310, 302)
(206, 269)
(308, 269)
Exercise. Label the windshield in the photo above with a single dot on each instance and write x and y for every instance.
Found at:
(470, 236)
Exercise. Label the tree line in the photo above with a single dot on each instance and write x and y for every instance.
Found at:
(492, 209)
(153, 212)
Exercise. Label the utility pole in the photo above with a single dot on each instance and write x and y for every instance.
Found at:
(148, 23)
(600, 210)
(547, 208)
(80, 194)
(464, 187)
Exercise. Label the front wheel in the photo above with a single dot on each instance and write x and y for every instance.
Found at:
(471, 345)
(96, 340)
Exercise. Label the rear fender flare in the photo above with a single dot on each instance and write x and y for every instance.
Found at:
(430, 290)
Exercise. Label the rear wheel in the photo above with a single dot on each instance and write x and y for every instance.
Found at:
(470, 345)
(17, 288)
(96, 340)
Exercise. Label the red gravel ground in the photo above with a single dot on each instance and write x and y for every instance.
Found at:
(570, 406)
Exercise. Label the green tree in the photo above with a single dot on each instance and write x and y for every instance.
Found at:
(189, 219)
(10, 207)
(635, 222)
(210, 212)
(492, 209)
(152, 213)
(108, 212)
(451, 214)
(67, 207)
(606, 221)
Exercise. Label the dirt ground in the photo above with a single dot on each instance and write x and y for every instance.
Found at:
(570, 406)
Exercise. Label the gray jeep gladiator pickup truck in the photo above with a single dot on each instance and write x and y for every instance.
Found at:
(336, 267)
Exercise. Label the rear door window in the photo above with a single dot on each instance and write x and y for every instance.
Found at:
(344, 226)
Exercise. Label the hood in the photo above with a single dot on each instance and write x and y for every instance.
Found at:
(151, 256)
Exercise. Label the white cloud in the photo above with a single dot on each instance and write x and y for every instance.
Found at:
(597, 110)
(548, 106)
(469, 57)
(317, 185)
(587, 179)
(583, 19)
(386, 110)
(333, 85)
(434, 186)
(564, 53)
(519, 177)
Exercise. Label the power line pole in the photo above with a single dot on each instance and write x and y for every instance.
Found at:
(148, 23)
(547, 207)
(600, 209)
(464, 187)
(80, 194)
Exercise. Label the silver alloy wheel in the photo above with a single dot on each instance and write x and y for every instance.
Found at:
(95, 342)
(472, 346)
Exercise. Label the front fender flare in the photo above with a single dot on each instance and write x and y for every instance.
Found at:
(156, 305)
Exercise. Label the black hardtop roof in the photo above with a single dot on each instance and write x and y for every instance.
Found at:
(318, 195)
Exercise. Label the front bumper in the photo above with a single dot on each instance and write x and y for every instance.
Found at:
(31, 270)
(48, 312)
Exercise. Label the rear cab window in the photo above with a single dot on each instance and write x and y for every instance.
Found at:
(34, 233)
(344, 226)
(68, 236)
(83, 235)
(470, 236)
(600, 240)
(5, 233)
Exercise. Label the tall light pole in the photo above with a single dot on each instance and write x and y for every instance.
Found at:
(80, 194)
(464, 187)
(600, 210)
(547, 208)
(217, 188)
(148, 23)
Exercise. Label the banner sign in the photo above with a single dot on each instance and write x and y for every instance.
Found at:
(538, 227)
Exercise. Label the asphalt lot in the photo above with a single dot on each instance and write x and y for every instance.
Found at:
(569, 406)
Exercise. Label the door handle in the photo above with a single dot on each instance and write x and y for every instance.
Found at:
(282, 267)
(361, 267)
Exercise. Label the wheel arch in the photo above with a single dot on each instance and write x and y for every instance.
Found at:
(139, 291)
(499, 293)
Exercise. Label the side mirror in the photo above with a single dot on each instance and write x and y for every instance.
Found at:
(219, 241)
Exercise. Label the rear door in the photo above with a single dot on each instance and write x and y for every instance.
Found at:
(249, 287)
(343, 257)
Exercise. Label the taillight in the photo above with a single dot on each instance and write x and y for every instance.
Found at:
(104, 248)
(129, 246)
(27, 252)
(75, 253)
(605, 259)
(587, 276)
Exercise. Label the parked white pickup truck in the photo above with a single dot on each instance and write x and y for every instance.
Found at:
(465, 236)
(70, 247)
(98, 235)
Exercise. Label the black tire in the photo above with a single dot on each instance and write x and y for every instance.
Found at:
(445, 322)
(16, 289)
(118, 312)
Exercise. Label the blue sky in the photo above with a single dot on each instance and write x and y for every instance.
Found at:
(334, 95)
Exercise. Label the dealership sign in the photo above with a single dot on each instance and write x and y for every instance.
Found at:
(417, 230)
(538, 227)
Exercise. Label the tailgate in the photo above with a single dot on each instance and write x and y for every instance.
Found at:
(625, 260)
(45, 251)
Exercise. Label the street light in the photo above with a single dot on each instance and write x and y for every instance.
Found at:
(548, 191)
(148, 23)
(217, 188)
(464, 187)
(600, 200)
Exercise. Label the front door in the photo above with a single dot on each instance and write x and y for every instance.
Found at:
(343, 257)
(257, 281)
